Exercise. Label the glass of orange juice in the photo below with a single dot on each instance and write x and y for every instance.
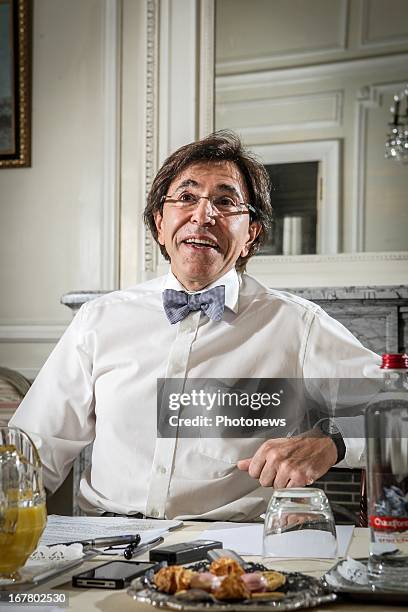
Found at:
(23, 512)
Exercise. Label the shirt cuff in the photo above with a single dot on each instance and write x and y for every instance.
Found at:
(355, 454)
(352, 431)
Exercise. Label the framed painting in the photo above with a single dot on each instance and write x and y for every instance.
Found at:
(15, 83)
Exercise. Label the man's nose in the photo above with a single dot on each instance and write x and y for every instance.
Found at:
(203, 213)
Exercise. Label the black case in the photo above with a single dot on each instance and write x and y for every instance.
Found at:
(87, 579)
(185, 552)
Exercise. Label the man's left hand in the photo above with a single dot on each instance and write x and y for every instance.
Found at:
(291, 462)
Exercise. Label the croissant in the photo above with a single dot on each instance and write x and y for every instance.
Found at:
(225, 566)
(173, 578)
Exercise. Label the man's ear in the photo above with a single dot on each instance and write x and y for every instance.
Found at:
(158, 219)
(254, 230)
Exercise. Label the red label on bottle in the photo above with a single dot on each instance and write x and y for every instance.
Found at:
(389, 523)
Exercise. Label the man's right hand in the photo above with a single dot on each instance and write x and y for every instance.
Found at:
(291, 462)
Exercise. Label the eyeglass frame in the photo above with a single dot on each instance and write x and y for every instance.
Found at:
(250, 209)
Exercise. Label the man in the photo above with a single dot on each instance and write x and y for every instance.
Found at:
(208, 209)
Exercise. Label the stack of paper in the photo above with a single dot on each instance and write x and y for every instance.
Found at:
(65, 529)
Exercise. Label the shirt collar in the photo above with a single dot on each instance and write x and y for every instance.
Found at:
(231, 281)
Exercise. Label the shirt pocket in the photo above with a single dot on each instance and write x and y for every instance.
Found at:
(228, 451)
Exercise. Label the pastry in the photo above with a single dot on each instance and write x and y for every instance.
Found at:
(173, 578)
(225, 566)
(274, 580)
(232, 588)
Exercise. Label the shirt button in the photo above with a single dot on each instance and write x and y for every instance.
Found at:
(161, 469)
(154, 513)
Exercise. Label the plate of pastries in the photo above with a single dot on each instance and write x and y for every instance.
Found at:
(225, 584)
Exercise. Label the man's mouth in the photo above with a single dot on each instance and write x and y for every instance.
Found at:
(201, 243)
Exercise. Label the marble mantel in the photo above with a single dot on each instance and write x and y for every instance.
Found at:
(377, 315)
(75, 299)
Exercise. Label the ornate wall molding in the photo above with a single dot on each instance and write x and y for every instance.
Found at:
(207, 68)
(149, 246)
(249, 109)
(110, 189)
(311, 53)
(33, 333)
(366, 42)
(266, 260)
(302, 74)
(341, 270)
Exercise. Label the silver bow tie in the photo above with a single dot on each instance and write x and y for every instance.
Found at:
(177, 304)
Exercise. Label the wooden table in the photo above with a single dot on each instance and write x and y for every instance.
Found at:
(104, 600)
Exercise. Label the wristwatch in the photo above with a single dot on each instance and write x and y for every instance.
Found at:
(329, 428)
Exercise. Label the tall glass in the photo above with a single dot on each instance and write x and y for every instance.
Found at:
(299, 521)
(23, 512)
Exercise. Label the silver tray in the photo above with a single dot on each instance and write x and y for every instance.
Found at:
(302, 592)
(360, 592)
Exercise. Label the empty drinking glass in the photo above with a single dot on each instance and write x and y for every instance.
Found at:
(299, 523)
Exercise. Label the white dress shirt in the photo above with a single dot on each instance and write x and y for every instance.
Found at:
(99, 385)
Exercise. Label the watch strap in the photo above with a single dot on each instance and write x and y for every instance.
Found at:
(324, 426)
(341, 447)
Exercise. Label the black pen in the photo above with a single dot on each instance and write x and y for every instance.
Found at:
(131, 539)
(134, 550)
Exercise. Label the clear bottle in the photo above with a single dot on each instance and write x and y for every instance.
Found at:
(387, 477)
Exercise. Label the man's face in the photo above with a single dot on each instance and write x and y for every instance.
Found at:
(194, 263)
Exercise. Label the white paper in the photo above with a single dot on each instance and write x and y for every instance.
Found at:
(246, 539)
(64, 529)
(302, 543)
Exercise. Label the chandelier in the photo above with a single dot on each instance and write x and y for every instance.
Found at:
(396, 144)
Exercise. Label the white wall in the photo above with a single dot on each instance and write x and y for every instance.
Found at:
(298, 71)
(49, 225)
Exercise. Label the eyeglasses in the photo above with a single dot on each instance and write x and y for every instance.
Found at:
(223, 205)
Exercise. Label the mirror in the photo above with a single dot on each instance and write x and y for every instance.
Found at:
(314, 82)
